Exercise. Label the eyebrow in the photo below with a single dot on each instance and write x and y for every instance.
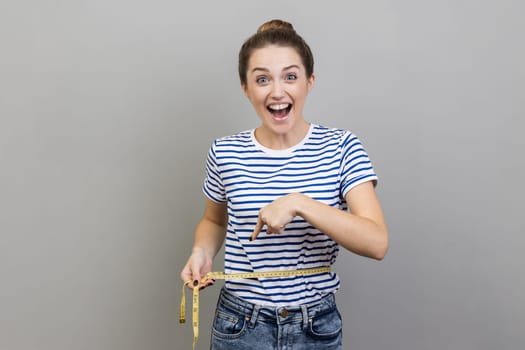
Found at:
(284, 69)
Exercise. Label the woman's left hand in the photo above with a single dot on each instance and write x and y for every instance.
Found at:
(276, 215)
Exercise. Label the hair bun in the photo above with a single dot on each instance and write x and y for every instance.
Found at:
(275, 24)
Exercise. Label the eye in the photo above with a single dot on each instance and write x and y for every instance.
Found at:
(291, 76)
(262, 80)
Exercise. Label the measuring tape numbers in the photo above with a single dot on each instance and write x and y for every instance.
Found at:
(223, 276)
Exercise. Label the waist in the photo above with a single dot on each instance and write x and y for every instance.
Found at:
(287, 290)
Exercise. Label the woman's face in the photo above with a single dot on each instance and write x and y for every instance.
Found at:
(277, 86)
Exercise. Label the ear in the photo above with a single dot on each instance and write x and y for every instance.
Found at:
(310, 82)
(244, 89)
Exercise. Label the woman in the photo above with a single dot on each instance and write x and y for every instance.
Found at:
(284, 196)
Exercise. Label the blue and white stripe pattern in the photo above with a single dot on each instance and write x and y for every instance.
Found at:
(246, 175)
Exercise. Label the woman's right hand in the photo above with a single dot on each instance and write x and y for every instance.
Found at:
(198, 265)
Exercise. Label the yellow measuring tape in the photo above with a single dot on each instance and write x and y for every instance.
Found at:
(223, 276)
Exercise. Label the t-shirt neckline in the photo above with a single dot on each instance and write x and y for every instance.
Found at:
(281, 151)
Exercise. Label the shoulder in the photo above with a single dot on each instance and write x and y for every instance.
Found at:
(329, 134)
(234, 145)
(242, 138)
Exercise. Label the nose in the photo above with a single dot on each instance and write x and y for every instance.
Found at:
(277, 92)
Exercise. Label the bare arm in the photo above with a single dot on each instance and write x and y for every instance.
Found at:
(362, 230)
(209, 237)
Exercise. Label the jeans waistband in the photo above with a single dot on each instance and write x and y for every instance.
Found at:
(276, 314)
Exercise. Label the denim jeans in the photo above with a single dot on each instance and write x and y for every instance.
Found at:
(242, 325)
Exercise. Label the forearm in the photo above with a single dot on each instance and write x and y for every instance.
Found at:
(209, 237)
(359, 234)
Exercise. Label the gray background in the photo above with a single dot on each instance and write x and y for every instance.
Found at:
(108, 108)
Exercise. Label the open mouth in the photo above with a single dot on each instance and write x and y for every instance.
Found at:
(280, 111)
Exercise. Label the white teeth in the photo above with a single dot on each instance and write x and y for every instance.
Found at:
(279, 107)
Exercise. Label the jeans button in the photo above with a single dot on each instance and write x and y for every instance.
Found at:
(283, 313)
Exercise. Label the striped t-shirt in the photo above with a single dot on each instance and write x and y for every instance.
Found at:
(325, 165)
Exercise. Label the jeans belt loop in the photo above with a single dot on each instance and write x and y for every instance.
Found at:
(304, 310)
(253, 317)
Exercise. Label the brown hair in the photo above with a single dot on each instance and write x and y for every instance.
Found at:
(275, 32)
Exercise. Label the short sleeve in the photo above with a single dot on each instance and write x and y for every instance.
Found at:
(213, 187)
(356, 166)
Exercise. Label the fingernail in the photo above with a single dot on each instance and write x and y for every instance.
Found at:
(195, 283)
(251, 239)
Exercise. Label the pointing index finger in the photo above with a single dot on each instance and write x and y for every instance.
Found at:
(257, 229)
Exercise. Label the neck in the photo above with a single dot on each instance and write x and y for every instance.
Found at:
(278, 141)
